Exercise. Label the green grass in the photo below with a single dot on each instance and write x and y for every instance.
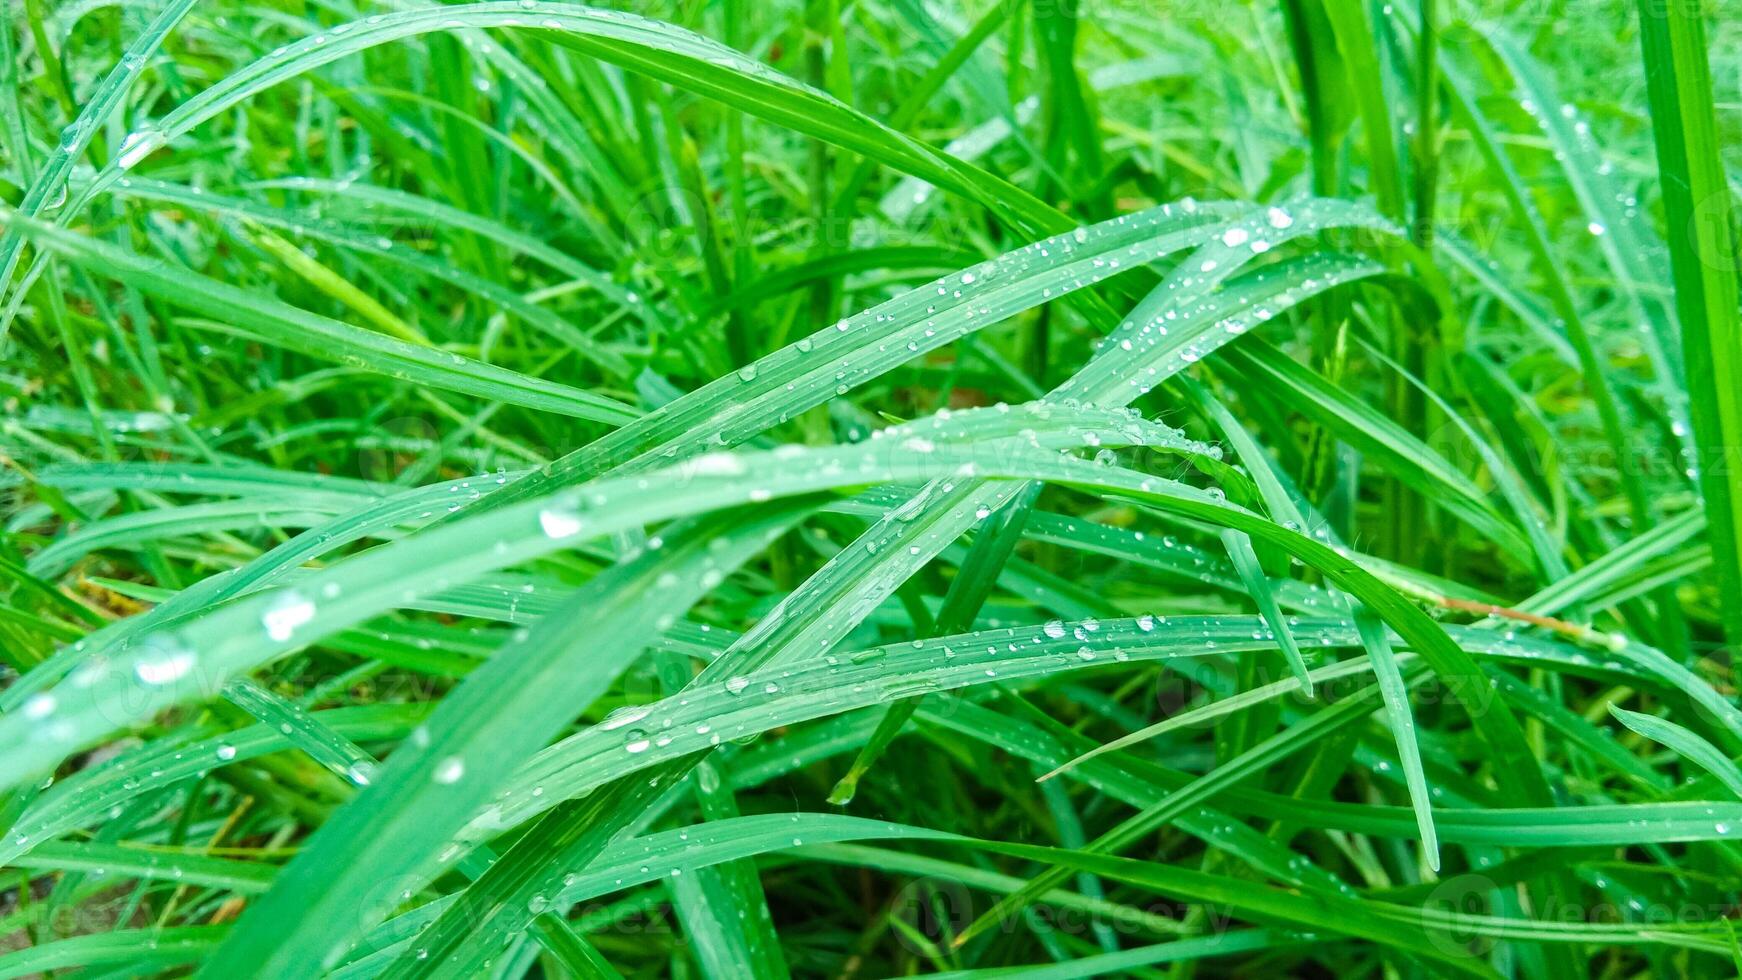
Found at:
(1044, 489)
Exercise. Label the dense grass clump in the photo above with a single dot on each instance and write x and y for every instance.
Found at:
(1044, 488)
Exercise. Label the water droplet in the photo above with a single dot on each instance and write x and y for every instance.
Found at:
(39, 706)
(717, 464)
(288, 612)
(558, 523)
(624, 716)
(137, 146)
(165, 663)
(450, 770)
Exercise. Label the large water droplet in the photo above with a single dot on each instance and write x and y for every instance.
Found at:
(450, 770)
(289, 611)
(165, 661)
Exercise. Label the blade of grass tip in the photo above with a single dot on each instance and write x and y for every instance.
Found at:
(1578, 732)
(962, 603)
(1698, 211)
(1280, 500)
(1283, 502)
(1401, 720)
(1604, 573)
(325, 746)
(337, 287)
(1686, 743)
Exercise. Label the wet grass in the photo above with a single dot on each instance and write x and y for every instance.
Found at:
(857, 490)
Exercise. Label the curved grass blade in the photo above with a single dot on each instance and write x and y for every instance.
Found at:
(1689, 745)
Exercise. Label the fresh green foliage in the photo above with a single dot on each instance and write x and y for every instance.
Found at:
(1029, 488)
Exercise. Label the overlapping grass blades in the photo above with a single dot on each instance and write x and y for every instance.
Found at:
(425, 531)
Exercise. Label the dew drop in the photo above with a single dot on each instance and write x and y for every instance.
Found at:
(450, 770)
(558, 524)
(288, 613)
(167, 663)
